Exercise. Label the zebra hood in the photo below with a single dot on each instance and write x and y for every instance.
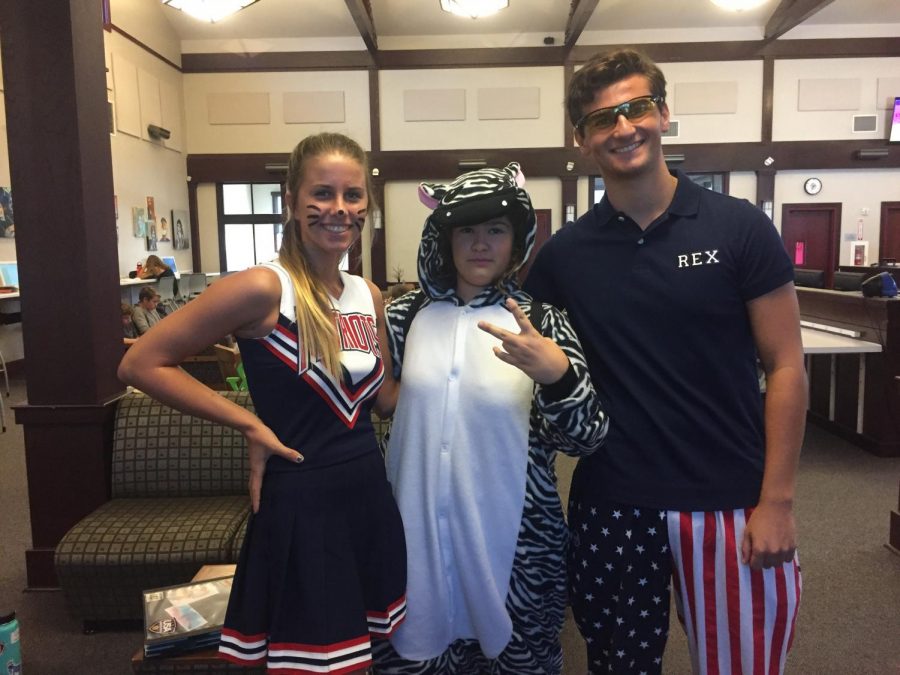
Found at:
(473, 198)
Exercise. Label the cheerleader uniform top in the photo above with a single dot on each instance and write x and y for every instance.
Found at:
(326, 420)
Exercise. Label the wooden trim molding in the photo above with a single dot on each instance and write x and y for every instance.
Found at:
(546, 162)
(675, 52)
(128, 36)
(275, 61)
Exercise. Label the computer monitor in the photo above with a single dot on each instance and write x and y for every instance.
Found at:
(9, 274)
(170, 261)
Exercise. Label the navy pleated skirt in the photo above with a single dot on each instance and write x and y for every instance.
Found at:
(321, 572)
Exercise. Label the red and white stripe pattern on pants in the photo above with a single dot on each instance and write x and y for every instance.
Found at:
(737, 620)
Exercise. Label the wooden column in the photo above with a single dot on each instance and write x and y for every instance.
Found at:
(61, 170)
(378, 249)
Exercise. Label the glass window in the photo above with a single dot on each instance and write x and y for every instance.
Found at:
(711, 181)
(239, 247)
(236, 199)
(264, 242)
(250, 224)
(597, 189)
(266, 198)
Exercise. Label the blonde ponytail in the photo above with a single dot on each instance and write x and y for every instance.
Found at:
(316, 329)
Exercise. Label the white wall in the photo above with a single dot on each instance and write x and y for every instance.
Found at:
(146, 21)
(142, 167)
(275, 136)
(7, 246)
(791, 124)
(546, 130)
(743, 125)
(742, 184)
(858, 191)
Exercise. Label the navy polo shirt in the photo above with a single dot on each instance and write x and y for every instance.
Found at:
(661, 314)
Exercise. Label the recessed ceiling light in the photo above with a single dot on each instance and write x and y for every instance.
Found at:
(209, 10)
(473, 9)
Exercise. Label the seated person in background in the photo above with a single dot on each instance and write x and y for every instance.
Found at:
(155, 268)
(128, 328)
(145, 314)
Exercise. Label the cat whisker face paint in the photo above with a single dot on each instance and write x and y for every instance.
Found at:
(331, 203)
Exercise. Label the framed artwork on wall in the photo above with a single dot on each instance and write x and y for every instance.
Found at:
(7, 225)
(181, 230)
(151, 236)
(138, 222)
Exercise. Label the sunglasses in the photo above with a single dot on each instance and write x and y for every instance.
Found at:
(606, 118)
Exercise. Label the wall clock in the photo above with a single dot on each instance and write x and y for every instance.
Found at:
(812, 186)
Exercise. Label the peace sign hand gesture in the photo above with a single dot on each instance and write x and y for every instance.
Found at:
(535, 355)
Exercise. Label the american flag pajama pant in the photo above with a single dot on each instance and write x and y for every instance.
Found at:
(622, 563)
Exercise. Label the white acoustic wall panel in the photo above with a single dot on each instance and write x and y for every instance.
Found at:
(509, 103)
(128, 106)
(828, 94)
(312, 107)
(730, 85)
(706, 98)
(434, 105)
(238, 108)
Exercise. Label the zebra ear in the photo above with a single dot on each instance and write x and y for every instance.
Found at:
(430, 194)
(515, 171)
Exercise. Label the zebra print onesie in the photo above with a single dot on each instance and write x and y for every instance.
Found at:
(453, 626)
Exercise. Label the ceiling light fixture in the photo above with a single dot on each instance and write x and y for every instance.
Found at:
(209, 10)
(473, 9)
(738, 5)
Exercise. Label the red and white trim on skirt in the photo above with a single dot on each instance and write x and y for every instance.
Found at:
(383, 624)
(737, 620)
(291, 658)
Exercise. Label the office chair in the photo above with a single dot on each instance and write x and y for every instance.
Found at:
(193, 284)
(165, 286)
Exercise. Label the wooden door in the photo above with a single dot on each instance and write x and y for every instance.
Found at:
(811, 234)
(540, 238)
(889, 242)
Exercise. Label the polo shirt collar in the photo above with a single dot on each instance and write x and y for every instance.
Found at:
(685, 201)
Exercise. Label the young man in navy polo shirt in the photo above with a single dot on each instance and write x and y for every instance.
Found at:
(675, 291)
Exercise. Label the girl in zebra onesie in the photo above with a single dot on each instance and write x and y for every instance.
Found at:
(477, 426)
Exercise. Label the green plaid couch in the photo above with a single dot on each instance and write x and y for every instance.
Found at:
(179, 501)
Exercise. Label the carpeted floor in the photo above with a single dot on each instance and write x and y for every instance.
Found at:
(849, 617)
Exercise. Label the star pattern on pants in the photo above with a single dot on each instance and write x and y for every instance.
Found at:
(620, 585)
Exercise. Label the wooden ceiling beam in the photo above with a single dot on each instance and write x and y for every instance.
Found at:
(791, 13)
(579, 14)
(361, 11)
